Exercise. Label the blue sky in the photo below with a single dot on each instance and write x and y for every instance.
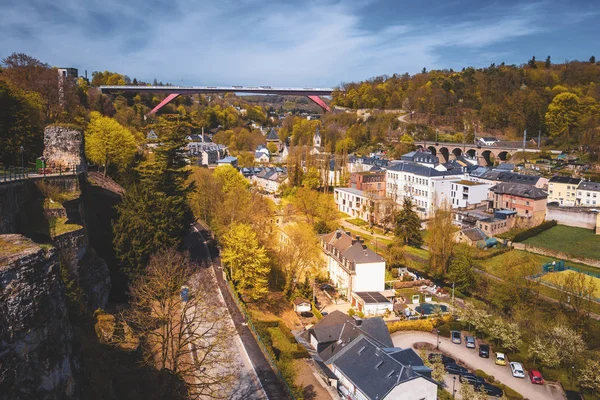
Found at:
(314, 43)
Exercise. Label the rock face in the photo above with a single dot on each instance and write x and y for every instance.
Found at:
(36, 354)
(64, 147)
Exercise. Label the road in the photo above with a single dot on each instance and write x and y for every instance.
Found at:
(203, 250)
(471, 359)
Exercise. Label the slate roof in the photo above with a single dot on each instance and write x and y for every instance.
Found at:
(506, 176)
(420, 156)
(272, 135)
(299, 300)
(594, 186)
(371, 369)
(506, 166)
(564, 179)
(423, 170)
(474, 234)
(520, 190)
(378, 330)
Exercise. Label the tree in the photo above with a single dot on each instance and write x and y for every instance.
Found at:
(568, 343)
(188, 335)
(408, 225)
(272, 147)
(563, 115)
(108, 143)
(468, 392)
(548, 63)
(589, 378)
(593, 60)
(532, 62)
(540, 351)
(300, 255)
(247, 261)
(440, 241)
(461, 271)
(576, 293)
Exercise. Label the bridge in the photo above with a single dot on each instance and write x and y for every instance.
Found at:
(175, 91)
(485, 155)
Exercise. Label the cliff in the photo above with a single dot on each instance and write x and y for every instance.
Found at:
(36, 355)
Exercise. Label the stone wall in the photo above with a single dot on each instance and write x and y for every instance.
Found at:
(36, 335)
(63, 147)
(580, 217)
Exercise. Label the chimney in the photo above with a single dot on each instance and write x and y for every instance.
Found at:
(358, 239)
(348, 233)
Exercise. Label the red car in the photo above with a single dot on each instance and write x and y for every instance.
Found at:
(536, 377)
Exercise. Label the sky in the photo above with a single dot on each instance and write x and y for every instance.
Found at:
(305, 43)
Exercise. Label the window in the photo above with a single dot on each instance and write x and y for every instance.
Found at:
(526, 203)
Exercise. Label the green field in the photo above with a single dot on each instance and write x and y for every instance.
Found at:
(557, 278)
(576, 242)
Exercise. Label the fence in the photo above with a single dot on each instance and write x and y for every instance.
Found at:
(10, 173)
(259, 340)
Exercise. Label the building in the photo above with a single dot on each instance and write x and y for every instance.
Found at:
(72, 73)
(470, 236)
(302, 305)
(487, 141)
(361, 164)
(270, 179)
(357, 203)
(229, 160)
(261, 157)
(563, 190)
(465, 192)
(588, 194)
(527, 200)
(502, 221)
(272, 136)
(428, 187)
(494, 176)
(372, 303)
(421, 157)
(372, 182)
(351, 265)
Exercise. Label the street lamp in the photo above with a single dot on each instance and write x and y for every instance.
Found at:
(438, 339)
(22, 150)
(453, 384)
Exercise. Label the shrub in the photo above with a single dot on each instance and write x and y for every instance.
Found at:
(351, 312)
(456, 326)
(444, 330)
(317, 313)
(482, 374)
(413, 325)
(509, 393)
(536, 230)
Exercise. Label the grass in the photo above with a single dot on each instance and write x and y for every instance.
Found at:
(62, 226)
(557, 278)
(357, 222)
(370, 241)
(9, 248)
(576, 242)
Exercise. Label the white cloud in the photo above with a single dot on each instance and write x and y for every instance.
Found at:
(316, 43)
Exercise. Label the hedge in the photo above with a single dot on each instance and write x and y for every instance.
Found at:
(444, 330)
(508, 392)
(536, 230)
(424, 325)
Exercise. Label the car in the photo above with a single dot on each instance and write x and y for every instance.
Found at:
(306, 314)
(444, 359)
(490, 390)
(455, 369)
(470, 342)
(536, 377)
(456, 337)
(484, 350)
(517, 369)
(500, 359)
(471, 379)
(324, 313)
(326, 286)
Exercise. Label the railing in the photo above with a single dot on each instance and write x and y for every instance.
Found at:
(259, 340)
(10, 173)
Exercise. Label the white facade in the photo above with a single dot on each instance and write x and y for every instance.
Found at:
(588, 194)
(464, 193)
(370, 277)
(353, 202)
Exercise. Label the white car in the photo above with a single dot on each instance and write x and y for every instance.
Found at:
(517, 370)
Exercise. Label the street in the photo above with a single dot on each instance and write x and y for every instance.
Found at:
(204, 252)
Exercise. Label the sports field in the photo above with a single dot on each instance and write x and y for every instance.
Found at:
(557, 278)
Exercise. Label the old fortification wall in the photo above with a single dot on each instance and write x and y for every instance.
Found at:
(580, 217)
(36, 335)
(64, 147)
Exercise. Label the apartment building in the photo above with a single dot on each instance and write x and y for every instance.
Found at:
(588, 194)
(527, 200)
(563, 190)
(372, 182)
(464, 192)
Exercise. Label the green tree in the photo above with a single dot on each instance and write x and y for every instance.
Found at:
(108, 143)
(593, 60)
(548, 63)
(562, 117)
(440, 241)
(408, 225)
(247, 262)
(461, 269)
(589, 378)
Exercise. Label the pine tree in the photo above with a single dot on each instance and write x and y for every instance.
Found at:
(548, 62)
(408, 225)
(593, 60)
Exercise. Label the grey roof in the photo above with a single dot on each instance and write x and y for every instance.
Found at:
(372, 297)
(378, 330)
(352, 191)
(420, 156)
(506, 176)
(359, 253)
(564, 179)
(506, 166)
(406, 356)
(272, 135)
(371, 369)
(330, 327)
(520, 190)
(475, 234)
(259, 154)
(423, 170)
(595, 186)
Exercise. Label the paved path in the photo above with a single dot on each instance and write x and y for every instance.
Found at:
(471, 359)
(268, 380)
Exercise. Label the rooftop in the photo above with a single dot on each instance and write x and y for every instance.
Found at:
(564, 179)
(519, 190)
(468, 183)
(594, 186)
(372, 297)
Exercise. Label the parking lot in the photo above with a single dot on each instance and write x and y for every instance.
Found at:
(470, 358)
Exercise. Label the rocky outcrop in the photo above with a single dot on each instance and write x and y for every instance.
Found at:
(36, 354)
(63, 147)
(83, 264)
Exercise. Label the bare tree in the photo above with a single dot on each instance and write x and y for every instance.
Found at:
(187, 333)
(577, 291)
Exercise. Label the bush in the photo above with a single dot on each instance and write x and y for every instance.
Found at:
(444, 330)
(456, 326)
(351, 312)
(482, 374)
(413, 325)
(509, 393)
(317, 313)
(287, 333)
(536, 230)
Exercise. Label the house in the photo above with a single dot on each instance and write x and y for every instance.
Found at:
(317, 138)
(269, 179)
(357, 203)
(367, 371)
(302, 305)
(372, 182)
(527, 200)
(272, 136)
(487, 141)
(495, 176)
(588, 194)
(371, 303)
(466, 192)
(360, 164)
(229, 160)
(351, 265)
(151, 135)
(502, 221)
(261, 157)
(470, 236)
(563, 190)
(421, 157)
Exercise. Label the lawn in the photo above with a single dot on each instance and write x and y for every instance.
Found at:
(576, 242)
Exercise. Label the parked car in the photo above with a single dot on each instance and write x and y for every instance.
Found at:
(455, 369)
(307, 314)
(456, 338)
(484, 350)
(500, 359)
(471, 379)
(444, 359)
(324, 313)
(490, 390)
(470, 342)
(326, 286)
(536, 377)
(517, 370)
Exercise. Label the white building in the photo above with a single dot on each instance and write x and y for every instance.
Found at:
(588, 194)
(428, 187)
(351, 265)
(270, 179)
(356, 203)
(464, 193)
